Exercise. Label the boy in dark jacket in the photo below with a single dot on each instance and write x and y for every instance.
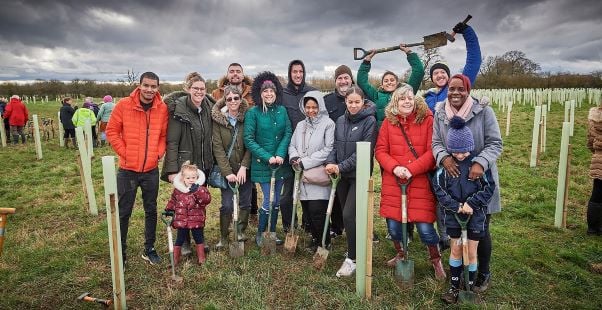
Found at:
(462, 198)
(66, 114)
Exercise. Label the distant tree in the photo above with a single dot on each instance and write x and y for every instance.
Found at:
(132, 77)
(511, 63)
(429, 57)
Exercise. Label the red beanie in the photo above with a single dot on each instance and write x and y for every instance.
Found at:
(465, 81)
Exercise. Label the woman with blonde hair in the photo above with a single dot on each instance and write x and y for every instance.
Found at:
(403, 149)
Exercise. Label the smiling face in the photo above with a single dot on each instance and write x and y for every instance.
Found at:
(457, 93)
(405, 104)
(148, 89)
(268, 96)
(440, 77)
(233, 102)
(297, 74)
(461, 156)
(354, 103)
(189, 177)
(389, 82)
(311, 108)
(235, 75)
(342, 83)
(197, 92)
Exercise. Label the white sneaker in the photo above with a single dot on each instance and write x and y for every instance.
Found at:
(347, 269)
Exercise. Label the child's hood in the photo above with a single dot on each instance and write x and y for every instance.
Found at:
(179, 185)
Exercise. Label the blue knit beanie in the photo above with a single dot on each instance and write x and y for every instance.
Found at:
(459, 137)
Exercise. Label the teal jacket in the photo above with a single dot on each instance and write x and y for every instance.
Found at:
(267, 134)
(380, 97)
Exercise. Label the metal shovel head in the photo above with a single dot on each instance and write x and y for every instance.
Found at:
(268, 246)
(435, 40)
(320, 258)
(467, 297)
(237, 249)
(404, 273)
(290, 243)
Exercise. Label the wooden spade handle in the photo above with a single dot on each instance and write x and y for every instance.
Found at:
(7, 210)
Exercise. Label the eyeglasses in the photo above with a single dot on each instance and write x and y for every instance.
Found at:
(197, 89)
(229, 99)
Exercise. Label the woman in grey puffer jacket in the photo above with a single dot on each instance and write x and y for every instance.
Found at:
(311, 143)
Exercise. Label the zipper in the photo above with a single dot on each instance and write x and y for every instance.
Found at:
(147, 118)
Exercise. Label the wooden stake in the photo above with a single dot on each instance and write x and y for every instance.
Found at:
(110, 185)
(370, 224)
(3, 217)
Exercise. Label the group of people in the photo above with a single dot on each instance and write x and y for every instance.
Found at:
(72, 117)
(14, 115)
(443, 146)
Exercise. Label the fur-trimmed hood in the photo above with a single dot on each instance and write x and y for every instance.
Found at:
(421, 111)
(219, 110)
(223, 81)
(256, 88)
(179, 185)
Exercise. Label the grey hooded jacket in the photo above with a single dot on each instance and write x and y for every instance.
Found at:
(312, 141)
(487, 142)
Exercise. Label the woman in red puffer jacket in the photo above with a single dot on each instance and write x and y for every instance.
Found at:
(403, 149)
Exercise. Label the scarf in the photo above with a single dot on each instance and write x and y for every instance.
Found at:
(463, 112)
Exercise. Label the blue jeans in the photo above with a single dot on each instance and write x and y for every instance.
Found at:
(265, 206)
(427, 231)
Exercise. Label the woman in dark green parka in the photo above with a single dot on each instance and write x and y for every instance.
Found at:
(267, 135)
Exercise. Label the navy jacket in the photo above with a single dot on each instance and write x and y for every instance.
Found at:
(451, 192)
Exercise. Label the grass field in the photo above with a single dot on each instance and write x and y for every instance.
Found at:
(54, 251)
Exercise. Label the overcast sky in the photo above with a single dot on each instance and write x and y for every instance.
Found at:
(67, 39)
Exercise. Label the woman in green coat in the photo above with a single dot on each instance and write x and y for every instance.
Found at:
(267, 135)
(389, 82)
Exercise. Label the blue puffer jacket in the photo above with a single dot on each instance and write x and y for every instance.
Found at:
(451, 192)
(471, 69)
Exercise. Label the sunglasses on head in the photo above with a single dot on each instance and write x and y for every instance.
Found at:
(232, 98)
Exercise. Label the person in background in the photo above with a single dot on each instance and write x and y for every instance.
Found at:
(137, 132)
(335, 104)
(83, 115)
(594, 144)
(17, 114)
(357, 124)
(66, 115)
(439, 71)
(267, 135)
(389, 81)
(293, 94)
(228, 116)
(103, 117)
(89, 103)
(481, 121)
(3, 103)
(235, 77)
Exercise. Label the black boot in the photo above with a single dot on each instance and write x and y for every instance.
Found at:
(594, 218)
(243, 222)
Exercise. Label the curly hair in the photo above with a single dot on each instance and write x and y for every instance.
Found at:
(420, 105)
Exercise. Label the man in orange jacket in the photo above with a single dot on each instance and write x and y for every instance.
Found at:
(137, 132)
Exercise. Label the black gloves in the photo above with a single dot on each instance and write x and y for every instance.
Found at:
(460, 27)
(193, 188)
(293, 160)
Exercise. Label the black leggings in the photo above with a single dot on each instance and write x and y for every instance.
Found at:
(316, 215)
(484, 248)
(596, 191)
(197, 234)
